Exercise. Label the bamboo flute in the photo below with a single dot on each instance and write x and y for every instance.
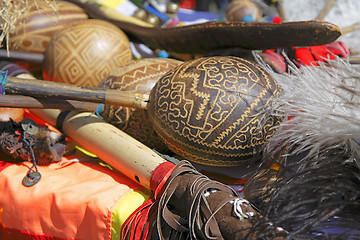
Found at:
(113, 146)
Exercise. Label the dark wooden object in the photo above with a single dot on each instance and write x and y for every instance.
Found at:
(18, 101)
(209, 36)
(41, 88)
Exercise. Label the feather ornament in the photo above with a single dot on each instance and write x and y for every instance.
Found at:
(320, 106)
(318, 198)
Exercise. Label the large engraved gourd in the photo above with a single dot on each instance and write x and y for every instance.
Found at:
(213, 110)
(137, 76)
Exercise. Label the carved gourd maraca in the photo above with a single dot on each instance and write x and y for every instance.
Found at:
(213, 110)
(137, 76)
(36, 27)
(85, 52)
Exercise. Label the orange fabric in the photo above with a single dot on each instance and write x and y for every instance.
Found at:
(74, 201)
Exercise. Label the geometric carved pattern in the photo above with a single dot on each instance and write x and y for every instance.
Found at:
(213, 110)
(85, 52)
(137, 76)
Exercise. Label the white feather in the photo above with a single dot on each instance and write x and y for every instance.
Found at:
(320, 106)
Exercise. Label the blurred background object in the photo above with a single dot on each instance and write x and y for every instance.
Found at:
(344, 13)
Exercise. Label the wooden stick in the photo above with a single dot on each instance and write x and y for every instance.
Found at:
(17, 101)
(280, 9)
(353, 60)
(326, 9)
(41, 88)
(21, 56)
(351, 28)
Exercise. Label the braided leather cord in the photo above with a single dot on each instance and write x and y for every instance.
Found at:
(189, 205)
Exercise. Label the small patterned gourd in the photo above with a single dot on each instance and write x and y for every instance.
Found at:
(40, 22)
(213, 110)
(137, 76)
(84, 52)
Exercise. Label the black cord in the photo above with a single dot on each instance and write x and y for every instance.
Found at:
(29, 146)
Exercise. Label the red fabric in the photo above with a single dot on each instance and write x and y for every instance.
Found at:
(3, 165)
(74, 201)
(277, 19)
(321, 53)
(137, 226)
(304, 57)
(311, 55)
(14, 234)
(159, 174)
(187, 4)
(339, 49)
(140, 223)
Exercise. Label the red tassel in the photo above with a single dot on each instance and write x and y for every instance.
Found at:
(139, 223)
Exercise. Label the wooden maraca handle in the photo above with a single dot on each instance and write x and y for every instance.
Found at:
(18, 101)
(21, 56)
(40, 88)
